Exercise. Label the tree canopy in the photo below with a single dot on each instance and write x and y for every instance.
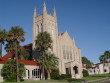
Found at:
(43, 43)
(86, 61)
(106, 55)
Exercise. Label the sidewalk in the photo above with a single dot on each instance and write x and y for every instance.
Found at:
(100, 80)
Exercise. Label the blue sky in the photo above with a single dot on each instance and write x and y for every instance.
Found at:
(88, 21)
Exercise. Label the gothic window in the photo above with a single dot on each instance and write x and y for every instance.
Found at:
(67, 70)
(105, 70)
(70, 54)
(75, 68)
(67, 54)
(52, 33)
(64, 54)
(41, 28)
(38, 28)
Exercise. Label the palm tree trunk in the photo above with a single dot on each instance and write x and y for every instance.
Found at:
(48, 74)
(17, 68)
(0, 49)
(43, 72)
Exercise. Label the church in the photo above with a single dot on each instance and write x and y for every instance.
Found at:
(63, 47)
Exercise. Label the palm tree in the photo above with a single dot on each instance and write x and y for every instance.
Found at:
(107, 55)
(51, 62)
(43, 43)
(102, 59)
(10, 47)
(23, 54)
(2, 39)
(16, 34)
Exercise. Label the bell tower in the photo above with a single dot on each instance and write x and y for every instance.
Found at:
(45, 22)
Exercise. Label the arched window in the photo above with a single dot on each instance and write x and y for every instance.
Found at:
(38, 28)
(41, 28)
(70, 55)
(105, 70)
(67, 53)
(75, 68)
(64, 53)
(52, 33)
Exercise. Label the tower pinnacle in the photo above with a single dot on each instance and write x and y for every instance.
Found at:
(54, 12)
(35, 12)
(44, 8)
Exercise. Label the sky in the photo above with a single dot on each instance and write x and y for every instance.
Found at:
(88, 21)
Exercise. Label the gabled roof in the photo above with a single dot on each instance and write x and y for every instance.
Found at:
(26, 62)
(8, 55)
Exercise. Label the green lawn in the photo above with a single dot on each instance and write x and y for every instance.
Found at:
(91, 77)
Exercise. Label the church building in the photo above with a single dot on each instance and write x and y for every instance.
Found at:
(63, 45)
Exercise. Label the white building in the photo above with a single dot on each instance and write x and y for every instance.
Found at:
(99, 68)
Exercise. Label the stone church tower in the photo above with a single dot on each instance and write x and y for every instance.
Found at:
(46, 22)
(64, 46)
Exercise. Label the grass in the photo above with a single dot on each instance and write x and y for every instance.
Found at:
(91, 77)
(102, 77)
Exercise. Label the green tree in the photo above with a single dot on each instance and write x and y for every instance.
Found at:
(9, 71)
(23, 54)
(3, 36)
(102, 59)
(107, 54)
(51, 63)
(43, 43)
(16, 35)
(10, 47)
(86, 61)
(85, 73)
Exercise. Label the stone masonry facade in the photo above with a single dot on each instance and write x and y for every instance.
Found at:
(63, 45)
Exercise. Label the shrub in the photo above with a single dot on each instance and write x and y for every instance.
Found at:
(9, 71)
(85, 73)
(55, 75)
(65, 76)
(11, 78)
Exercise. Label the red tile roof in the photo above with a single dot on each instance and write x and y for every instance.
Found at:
(26, 62)
(9, 55)
(6, 57)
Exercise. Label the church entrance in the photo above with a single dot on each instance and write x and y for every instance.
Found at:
(75, 68)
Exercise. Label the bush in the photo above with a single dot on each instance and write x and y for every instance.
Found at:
(65, 76)
(11, 78)
(85, 73)
(55, 75)
(8, 71)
